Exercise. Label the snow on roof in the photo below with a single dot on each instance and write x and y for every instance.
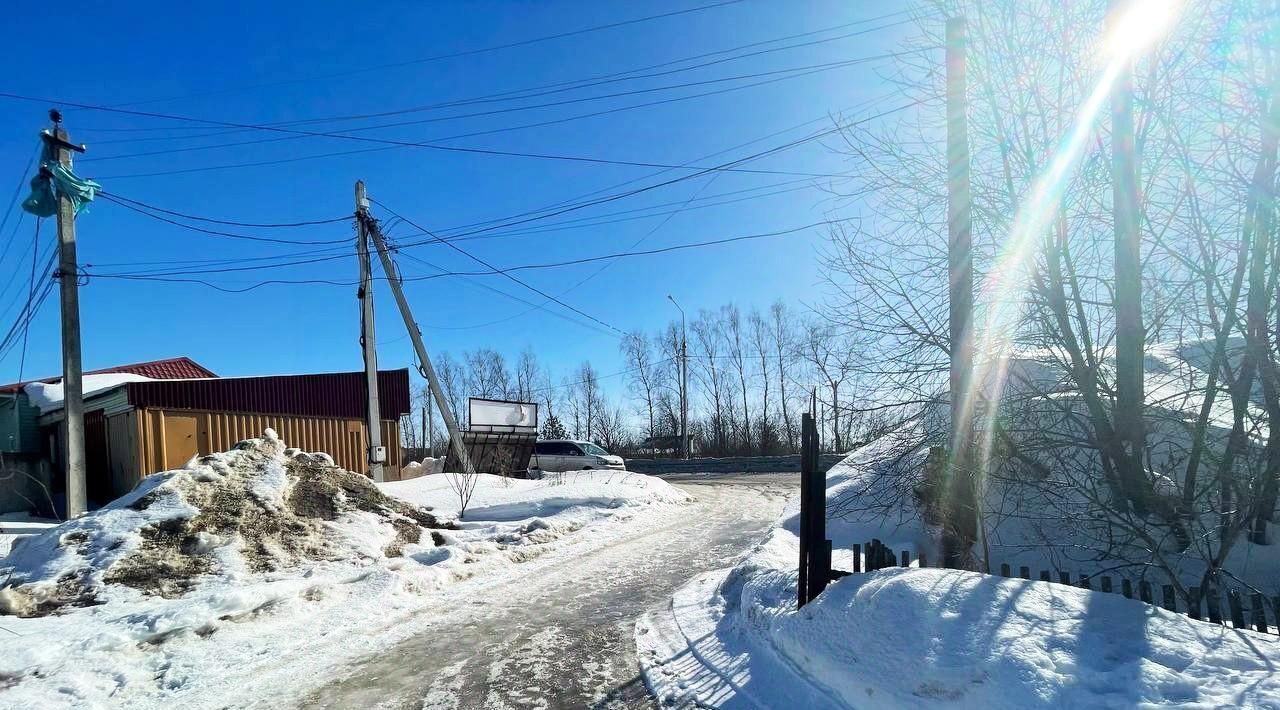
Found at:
(47, 397)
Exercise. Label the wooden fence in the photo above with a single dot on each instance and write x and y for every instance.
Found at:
(1205, 604)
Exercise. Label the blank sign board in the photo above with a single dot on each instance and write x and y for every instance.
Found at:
(501, 413)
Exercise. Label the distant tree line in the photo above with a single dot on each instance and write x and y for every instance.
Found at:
(751, 375)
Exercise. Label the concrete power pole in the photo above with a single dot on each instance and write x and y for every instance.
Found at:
(1130, 336)
(58, 146)
(961, 516)
(377, 453)
(388, 267)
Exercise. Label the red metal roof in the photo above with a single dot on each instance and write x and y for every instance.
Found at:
(174, 368)
(339, 394)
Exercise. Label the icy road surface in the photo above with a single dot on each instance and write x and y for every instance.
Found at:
(560, 633)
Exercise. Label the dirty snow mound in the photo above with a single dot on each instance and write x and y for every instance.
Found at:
(257, 508)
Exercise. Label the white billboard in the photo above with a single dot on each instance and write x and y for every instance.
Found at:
(501, 413)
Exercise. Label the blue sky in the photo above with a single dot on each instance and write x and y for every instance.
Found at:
(254, 63)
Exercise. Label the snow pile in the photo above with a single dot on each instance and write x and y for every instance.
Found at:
(258, 508)
(14, 527)
(925, 638)
(427, 465)
(249, 577)
(47, 397)
(930, 637)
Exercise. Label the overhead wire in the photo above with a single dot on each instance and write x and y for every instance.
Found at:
(560, 86)
(448, 55)
(485, 263)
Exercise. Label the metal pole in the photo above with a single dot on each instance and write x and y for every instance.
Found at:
(684, 382)
(455, 434)
(60, 147)
(376, 455)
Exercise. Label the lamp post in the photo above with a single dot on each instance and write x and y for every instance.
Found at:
(684, 382)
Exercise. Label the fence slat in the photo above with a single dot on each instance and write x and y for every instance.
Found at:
(1237, 609)
(906, 558)
(1044, 575)
(1144, 591)
(1170, 601)
(1193, 603)
(1106, 584)
(1260, 613)
(1213, 602)
(1126, 588)
(1004, 569)
(1024, 572)
(857, 558)
(1064, 578)
(923, 563)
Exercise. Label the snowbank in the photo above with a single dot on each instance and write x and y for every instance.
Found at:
(925, 638)
(48, 397)
(262, 571)
(14, 527)
(901, 638)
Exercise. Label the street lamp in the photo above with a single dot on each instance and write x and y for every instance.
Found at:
(684, 382)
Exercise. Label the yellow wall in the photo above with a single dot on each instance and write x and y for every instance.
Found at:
(168, 438)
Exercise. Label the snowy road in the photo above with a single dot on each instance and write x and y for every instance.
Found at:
(559, 633)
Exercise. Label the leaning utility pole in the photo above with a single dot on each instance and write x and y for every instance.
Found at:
(961, 523)
(59, 147)
(455, 434)
(1130, 336)
(376, 454)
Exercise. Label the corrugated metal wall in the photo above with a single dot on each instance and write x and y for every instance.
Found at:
(326, 395)
(170, 437)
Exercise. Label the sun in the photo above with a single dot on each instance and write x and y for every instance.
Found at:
(1137, 25)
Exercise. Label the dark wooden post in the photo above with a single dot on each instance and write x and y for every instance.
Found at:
(1106, 584)
(1144, 591)
(906, 558)
(1064, 578)
(1004, 570)
(1084, 582)
(857, 558)
(1044, 575)
(1193, 603)
(1126, 588)
(1024, 572)
(1237, 609)
(1214, 604)
(923, 562)
(1170, 601)
(1260, 613)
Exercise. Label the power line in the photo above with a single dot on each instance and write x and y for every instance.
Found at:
(560, 86)
(258, 225)
(215, 232)
(478, 260)
(442, 57)
(433, 143)
(391, 142)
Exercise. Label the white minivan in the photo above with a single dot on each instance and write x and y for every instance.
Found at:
(568, 455)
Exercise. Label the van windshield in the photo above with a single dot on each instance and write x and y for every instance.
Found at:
(592, 449)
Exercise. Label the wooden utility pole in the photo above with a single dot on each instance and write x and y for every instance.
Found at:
(58, 146)
(961, 524)
(377, 453)
(393, 279)
(1130, 335)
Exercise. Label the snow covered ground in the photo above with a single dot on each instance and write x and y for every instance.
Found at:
(16, 526)
(908, 638)
(306, 580)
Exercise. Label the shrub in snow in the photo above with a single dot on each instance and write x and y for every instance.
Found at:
(257, 508)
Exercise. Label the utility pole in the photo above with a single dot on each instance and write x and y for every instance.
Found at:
(59, 147)
(388, 267)
(1130, 336)
(376, 454)
(684, 383)
(961, 523)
